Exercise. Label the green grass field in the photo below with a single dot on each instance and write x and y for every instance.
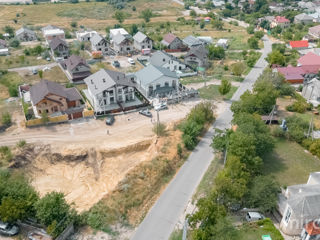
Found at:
(289, 163)
(211, 92)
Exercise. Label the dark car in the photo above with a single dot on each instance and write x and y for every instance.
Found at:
(110, 120)
(146, 113)
(7, 229)
(116, 64)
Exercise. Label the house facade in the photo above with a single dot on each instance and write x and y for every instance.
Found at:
(76, 68)
(26, 35)
(123, 44)
(303, 18)
(155, 81)
(3, 44)
(99, 43)
(52, 98)
(314, 31)
(51, 32)
(108, 90)
(311, 92)
(85, 36)
(197, 57)
(280, 21)
(192, 41)
(142, 41)
(166, 60)
(59, 48)
(116, 31)
(172, 42)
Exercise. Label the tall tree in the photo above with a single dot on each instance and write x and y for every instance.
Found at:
(146, 15)
(120, 16)
(225, 87)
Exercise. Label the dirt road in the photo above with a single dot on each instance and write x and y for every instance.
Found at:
(127, 129)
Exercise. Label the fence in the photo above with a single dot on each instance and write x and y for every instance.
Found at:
(66, 232)
(39, 121)
(88, 113)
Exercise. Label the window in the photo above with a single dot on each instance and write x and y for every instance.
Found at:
(104, 80)
(120, 98)
(163, 60)
(47, 111)
(166, 84)
(158, 86)
(119, 90)
(112, 100)
(111, 92)
(39, 111)
(105, 102)
(288, 215)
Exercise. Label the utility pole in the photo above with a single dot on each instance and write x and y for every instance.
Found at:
(158, 123)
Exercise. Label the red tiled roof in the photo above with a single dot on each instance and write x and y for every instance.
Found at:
(169, 38)
(310, 59)
(281, 19)
(292, 73)
(299, 44)
(312, 228)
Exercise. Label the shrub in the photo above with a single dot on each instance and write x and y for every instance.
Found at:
(160, 129)
(179, 150)
(237, 68)
(278, 132)
(299, 106)
(6, 119)
(21, 143)
(315, 147)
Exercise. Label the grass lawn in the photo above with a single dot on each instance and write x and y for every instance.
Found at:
(55, 75)
(211, 92)
(20, 61)
(289, 163)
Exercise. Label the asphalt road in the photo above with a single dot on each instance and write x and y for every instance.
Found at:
(163, 216)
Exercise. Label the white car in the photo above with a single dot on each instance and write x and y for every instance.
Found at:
(161, 106)
(254, 216)
(131, 61)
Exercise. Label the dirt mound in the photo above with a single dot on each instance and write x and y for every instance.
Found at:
(84, 176)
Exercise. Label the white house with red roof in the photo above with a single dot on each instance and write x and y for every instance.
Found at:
(280, 21)
(299, 45)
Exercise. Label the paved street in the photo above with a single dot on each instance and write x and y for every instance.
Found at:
(163, 216)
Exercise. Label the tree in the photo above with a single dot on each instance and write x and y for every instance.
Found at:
(225, 87)
(6, 119)
(217, 24)
(263, 193)
(193, 13)
(74, 24)
(253, 43)
(250, 29)
(133, 29)
(14, 43)
(40, 72)
(276, 57)
(237, 68)
(146, 15)
(202, 24)
(10, 30)
(120, 16)
(258, 34)
(216, 52)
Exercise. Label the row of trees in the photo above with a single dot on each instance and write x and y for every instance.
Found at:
(19, 201)
(240, 183)
(146, 15)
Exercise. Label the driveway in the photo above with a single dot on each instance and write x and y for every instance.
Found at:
(163, 216)
(29, 68)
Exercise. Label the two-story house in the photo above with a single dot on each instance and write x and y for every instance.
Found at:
(59, 48)
(50, 32)
(26, 35)
(85, 36)
(116, 31)
(155, 81)
(166, 60)
(197, 57)
(99, 43)
(76, 68)
(280, 21)
(51, 98)
(122, 44)
(172, 42)
(142, 41)
(109, 90)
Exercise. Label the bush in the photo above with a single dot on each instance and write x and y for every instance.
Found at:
(14, 43)
(21, 143)
(296, 128)
(299, 106)
(315, 147)
(6, 119)
(160, 129)
(237, 68)
(278, 132)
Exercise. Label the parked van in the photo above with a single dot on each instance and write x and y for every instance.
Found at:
(254, 216)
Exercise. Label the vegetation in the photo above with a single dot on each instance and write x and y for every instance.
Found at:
(159, 129)
(225, 87)
(216, 52)
(238, 68)
(211, 92)
(146, 15)
(6, 119)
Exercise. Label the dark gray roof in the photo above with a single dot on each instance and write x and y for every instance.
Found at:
(56, 42)
(119, 38)
(24, 30)
(151, 73)
(192, 41)
(139, 37)
(40, 90)
(157, 58)
(75, 61)
(96, 39)
(200, 52)
(104, 79)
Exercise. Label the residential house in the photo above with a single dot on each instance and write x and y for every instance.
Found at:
(4, 51)
(276, 7)
(299, 45)
(192, 41)
(315, 15)
(197, 57)
(155, 81)
(310, 63)
(99, 43)
(223, 43)
(142, 41)
(311, 231)
(123, 44)
(293, 75)
(303, 18)
(3, 44)
(110, 90)
(311, 92)
(315, 31)
(52, 98)
(26, 35)
(172, 42)
(307, 50)
(280, 21)
(166, 60)
(59, 48)
(116, 31)
(76, 68)
(299, 204)
(51, 32)
(85, 36)
(48, 27)
(205, 39)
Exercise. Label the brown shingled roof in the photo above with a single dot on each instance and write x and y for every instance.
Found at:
(75, 61)
(56, 42)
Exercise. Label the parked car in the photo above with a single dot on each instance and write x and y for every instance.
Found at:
(7, 229)
(131, 61)
(110, 120)
(161, 106)
(116, 64)
(34, 71)
(146, 113)
(254, 216)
